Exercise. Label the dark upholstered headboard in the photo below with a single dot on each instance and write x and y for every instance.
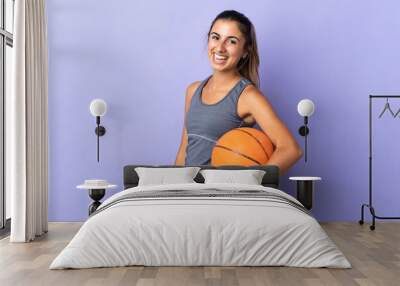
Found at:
(270, 179)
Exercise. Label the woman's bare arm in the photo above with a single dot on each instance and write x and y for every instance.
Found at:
(287, 150)
(181, 156)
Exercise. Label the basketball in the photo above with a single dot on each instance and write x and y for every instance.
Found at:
(242, 146)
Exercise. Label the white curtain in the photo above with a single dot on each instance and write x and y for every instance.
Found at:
(26, 123)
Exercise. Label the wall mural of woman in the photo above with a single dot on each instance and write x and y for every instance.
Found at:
(230, 97)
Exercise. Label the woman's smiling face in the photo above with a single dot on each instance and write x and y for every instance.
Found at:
(225, 45)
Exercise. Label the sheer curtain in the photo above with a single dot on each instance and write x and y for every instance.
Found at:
(26, 124)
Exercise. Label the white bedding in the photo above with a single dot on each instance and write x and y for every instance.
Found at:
(226, 231)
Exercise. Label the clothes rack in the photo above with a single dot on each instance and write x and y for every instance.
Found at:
(370, 202)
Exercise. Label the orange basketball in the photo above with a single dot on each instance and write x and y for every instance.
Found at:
(242, 146)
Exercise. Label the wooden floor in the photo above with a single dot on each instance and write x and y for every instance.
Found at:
(374, 255)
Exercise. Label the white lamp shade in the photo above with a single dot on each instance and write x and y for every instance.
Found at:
(305, 107)
(98, 107)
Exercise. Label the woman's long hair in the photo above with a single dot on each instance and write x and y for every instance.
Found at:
(248, 66)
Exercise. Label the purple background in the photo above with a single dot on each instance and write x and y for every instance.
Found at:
(140, 56)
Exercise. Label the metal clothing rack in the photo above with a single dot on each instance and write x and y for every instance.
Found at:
(370, 203)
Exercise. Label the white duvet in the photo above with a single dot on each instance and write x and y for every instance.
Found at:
(200, 231)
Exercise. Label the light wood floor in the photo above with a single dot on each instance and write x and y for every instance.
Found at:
(375, 257)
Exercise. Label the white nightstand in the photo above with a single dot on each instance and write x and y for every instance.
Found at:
(97, 190)
(305, 187)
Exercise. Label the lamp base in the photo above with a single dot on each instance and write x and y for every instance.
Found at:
(303, 130)
(100, 130)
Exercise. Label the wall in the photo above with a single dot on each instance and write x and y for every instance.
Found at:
(140, 56)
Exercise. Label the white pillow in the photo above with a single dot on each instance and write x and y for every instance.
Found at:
(162, 176)
(248, 177)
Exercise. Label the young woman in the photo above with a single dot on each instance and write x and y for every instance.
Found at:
(230, 97)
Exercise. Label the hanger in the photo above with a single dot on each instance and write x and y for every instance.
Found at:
(397, 113)
(387, 107)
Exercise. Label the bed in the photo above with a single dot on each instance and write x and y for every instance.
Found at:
(201, 224)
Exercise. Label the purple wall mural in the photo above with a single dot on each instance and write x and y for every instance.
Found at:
(139, 56)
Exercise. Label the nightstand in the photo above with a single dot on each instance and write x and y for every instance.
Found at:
(97, 190)
(305, 187)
